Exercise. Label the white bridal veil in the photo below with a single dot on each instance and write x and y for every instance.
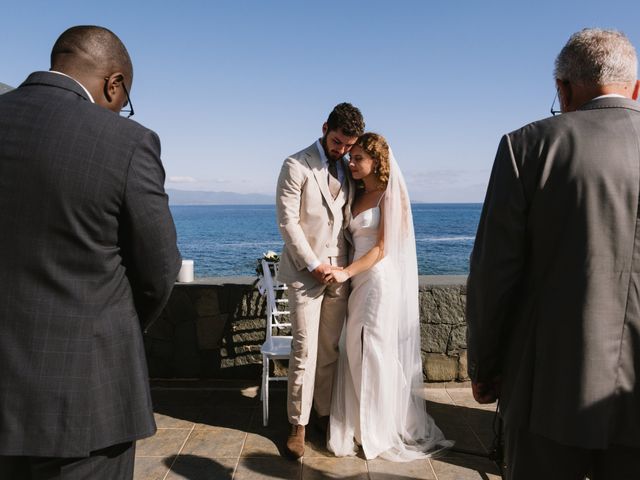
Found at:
(417, 432)
(402, 429)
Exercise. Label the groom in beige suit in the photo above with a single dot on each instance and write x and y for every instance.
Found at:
(313, 201)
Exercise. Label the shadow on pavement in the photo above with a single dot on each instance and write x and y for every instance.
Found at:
(471, 428)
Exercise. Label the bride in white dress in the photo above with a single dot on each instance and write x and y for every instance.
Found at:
(376, 398)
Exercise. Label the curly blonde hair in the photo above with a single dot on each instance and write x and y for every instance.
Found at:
(377, 148)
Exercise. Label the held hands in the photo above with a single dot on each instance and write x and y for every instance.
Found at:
(325, 273)
(339, 275)
(322, 272)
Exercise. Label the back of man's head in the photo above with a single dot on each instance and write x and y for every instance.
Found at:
(346, 118)
(596, 57)
(88, 49)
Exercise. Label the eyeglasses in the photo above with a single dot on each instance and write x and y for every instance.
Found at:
(554, 112)
(124, 111)
(128, 111)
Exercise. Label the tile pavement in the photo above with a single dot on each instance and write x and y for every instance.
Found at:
(214, 431)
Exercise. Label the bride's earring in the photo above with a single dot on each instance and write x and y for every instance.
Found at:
(375, 170)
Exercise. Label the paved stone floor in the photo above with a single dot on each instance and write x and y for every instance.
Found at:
(215, 432)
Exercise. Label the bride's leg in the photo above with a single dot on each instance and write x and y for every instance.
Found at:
(354, 350)
(353, 347)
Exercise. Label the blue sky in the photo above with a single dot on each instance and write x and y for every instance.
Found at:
(233, 87)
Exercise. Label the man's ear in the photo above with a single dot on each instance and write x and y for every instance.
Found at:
(112, 84)
(325, 128)
(565, 94)
(636, 90)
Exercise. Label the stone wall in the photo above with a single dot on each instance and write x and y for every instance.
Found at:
(443, 329)
(213, 328)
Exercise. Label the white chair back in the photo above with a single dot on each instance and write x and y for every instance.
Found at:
(277, 314)
(277, 344)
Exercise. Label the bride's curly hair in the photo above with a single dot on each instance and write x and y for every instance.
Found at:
(377, 148)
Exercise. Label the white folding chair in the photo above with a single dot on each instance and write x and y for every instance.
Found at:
(276, 345)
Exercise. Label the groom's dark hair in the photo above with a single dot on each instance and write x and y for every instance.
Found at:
(347, 118)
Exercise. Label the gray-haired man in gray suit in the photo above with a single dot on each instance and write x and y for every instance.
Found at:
(87, 254)
(554, 289)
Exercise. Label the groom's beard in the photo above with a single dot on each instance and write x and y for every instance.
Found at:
(327, 152)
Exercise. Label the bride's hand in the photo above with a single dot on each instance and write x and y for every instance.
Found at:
(338, 275)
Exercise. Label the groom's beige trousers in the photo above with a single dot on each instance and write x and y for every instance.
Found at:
(317, 315)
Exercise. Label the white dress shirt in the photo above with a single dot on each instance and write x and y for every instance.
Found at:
(325, 162)
(610, 95)
(340, 167)
(68, 76)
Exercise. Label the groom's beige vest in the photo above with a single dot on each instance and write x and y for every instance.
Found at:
(312, 223)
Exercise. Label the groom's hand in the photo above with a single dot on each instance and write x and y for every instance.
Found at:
(339, 275)
(322, 273)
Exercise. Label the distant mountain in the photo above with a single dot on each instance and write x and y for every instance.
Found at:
(189, 197)
(4, 88)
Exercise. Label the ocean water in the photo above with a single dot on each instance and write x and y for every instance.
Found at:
(226, 240)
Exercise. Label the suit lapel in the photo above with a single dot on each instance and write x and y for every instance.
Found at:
(319, 172)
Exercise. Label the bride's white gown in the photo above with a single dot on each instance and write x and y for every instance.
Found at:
(367, 407)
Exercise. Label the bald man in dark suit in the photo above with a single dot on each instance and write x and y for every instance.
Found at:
(88, 256)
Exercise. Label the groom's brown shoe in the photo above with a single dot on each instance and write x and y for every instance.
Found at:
(295, 442)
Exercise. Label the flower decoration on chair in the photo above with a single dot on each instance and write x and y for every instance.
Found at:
(269, 256)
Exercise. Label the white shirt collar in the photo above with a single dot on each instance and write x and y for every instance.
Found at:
(325, 161)
(323, 156)
(83, 87)
(610, 95)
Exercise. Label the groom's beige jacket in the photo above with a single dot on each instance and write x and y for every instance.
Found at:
(311, 221)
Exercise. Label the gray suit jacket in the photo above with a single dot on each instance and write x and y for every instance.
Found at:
(308, 218)
(87, 253)
(553, 299)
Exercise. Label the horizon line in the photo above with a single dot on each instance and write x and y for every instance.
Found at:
(273, 204)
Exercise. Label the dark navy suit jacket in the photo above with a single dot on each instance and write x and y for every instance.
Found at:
(87, 256)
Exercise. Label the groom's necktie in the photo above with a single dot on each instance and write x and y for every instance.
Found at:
(334, 182)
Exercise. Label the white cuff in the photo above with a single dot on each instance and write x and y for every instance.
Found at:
(312, 266)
